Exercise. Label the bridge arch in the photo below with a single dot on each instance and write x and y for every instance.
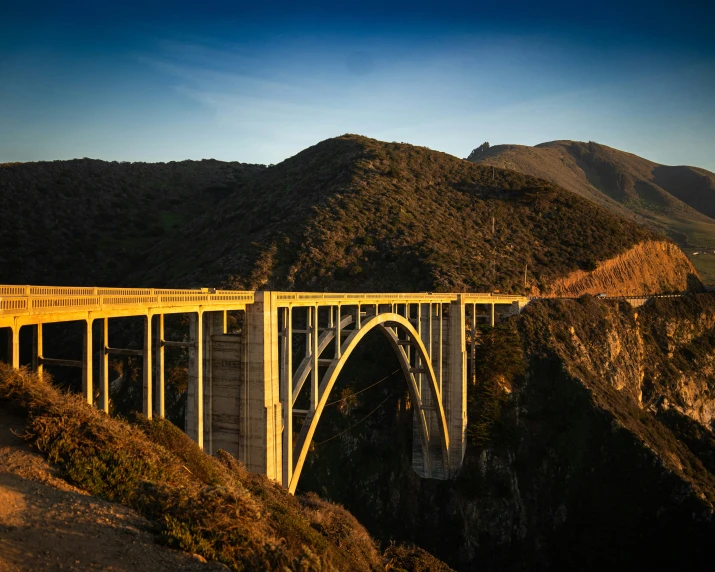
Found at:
(400, 333)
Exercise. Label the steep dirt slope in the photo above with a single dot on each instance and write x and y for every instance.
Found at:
(647, 267)
(353, 212)
(48, 524)
(677, 200)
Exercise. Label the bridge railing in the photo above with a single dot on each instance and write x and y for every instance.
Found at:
(48, 299)
(23, 299)
(436, 297)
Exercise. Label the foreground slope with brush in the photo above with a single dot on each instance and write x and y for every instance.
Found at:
(203, 505)
(678, 201)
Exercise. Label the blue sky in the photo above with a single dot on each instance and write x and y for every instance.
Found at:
(152, 81)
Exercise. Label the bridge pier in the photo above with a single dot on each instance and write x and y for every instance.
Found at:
(147, 387)
(87, 368)
(104, 366)
(37, 365)
(195, 390)
(260, 446)
(159, 402)
(454, 391)
(13, 346)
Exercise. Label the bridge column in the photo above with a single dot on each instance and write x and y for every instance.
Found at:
(215, 325)
(195, 391)
(104, 366)
(287, 391)
(473, 345)
(147, 393)
(13, 347)
(431, 466)
(454, 388)
(261, 442)
(159, 367)
(37, 366)
(87, 364)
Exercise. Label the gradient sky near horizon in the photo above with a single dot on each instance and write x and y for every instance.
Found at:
(161, 81)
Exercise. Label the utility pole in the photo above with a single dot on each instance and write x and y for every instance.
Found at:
(526, 266)
(492, 226)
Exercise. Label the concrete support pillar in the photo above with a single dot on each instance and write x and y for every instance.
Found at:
(13, 347)
(261, 443)
(228, 388)
(454, 394)
(473, 345)
(440, 344)
(104, 366)
(87, 365)
(215, 325)
(314, 372)
(427, 463)
(195, 392)
(37, 350)
(287, 393)
(159, 401)
(338, 334)
(425, 331)
(147, 389)
(491, 321)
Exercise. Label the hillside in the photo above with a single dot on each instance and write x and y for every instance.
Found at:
(678, 201)
(88, 222)
(353, 212)
(349, 212)
(591, 444)
(191, 502)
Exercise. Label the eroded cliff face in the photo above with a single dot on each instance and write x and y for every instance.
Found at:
(602, 453)
(649, 267)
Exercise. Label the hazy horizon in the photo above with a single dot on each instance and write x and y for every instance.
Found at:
(172, 81)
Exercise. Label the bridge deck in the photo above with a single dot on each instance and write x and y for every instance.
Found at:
(25, 305)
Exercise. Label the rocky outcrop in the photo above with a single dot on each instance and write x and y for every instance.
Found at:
(650, 267)
(601, 452)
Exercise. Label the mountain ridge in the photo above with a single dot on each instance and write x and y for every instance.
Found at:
(663, 197)
(353, 209)
(349, 212)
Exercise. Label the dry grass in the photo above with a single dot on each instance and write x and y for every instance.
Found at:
(206, 505)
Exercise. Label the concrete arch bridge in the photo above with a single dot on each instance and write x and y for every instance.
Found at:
(260, 394)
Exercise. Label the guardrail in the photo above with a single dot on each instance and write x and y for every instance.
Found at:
(444, 297)
(58, 299)
(44, 299)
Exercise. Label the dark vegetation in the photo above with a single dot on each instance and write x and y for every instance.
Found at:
(353, 212)
(89, 222)
(583, 452)
(499, 362)
(206, 505)
(349, 213)
(564, 468)
(676, 201)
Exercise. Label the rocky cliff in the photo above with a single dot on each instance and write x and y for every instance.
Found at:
(591, 446)
(648, 267)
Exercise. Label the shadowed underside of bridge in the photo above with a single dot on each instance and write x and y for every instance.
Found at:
(259, 394)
